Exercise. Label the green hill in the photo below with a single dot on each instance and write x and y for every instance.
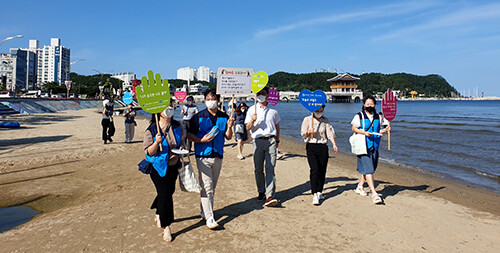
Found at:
(370, 83)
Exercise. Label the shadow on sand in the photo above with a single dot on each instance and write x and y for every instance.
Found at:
(5, 144)
(235, 210)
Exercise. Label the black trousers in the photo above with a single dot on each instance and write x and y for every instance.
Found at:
(165, 188)
(189, 144)
(317, 157)
(108, 129)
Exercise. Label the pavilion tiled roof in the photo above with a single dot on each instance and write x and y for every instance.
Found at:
(344, 77)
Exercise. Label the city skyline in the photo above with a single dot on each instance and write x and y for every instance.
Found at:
(457, 40)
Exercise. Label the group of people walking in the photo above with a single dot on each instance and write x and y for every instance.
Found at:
(108, 125)
(208, 129)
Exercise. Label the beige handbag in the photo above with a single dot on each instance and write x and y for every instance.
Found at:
(187, 177)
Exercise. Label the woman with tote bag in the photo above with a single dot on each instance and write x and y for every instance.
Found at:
(367, 123)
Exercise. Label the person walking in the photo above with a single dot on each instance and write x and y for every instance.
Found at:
(165, 165)
(108, 127)
(240, 130)
(130, 123)
(316, 139)
(266, 134)
(367, 122)
(187, 112)
(207, 129)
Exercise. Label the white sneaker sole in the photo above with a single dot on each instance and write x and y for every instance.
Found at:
(271, 203)
(213, 227)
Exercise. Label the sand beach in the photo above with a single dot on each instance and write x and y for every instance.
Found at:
(92, 198)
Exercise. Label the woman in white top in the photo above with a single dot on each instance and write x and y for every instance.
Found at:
(368, 123)
(317, 150)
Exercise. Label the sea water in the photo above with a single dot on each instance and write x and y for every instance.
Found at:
(13, 216)
(456, 140)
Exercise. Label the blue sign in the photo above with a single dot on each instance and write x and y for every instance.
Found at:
(57, 56)
(312, 101)
(127, 98)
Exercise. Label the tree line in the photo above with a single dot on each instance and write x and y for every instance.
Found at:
(370, 83)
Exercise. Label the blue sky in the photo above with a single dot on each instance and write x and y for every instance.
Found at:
(459, 40)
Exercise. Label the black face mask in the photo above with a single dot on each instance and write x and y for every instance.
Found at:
(370, 109)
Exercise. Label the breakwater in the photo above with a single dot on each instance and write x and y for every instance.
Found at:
(37, 105)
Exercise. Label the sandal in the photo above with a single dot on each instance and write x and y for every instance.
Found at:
(359, 190)
(376, 199)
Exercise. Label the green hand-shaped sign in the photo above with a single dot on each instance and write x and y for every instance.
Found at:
(259, 81)
(153, 96)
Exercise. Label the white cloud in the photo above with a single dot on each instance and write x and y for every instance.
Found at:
(460, 18)
(379, 12)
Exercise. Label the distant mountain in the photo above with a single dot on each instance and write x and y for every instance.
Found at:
(370, 83)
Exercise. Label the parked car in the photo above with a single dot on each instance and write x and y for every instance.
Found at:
(7, 94)
(32, 94)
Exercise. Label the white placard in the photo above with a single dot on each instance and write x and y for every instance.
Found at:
(234, 81)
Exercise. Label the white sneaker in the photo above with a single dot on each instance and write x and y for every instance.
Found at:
(241, 157)
(212, 224)
(320, 195)
(315, 199)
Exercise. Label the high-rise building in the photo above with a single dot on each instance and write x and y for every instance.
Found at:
(53, 62)
(19, 69)
(203, 74)
(213, 77)
(186, 73)
(29, 68)
(7, 70)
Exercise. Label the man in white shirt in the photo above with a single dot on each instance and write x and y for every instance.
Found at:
(265, 130)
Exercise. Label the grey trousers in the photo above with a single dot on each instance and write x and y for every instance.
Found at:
(265, 150)
(208, 171)
(129, 131)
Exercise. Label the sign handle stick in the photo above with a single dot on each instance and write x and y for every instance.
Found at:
(158, 129)
(312, 124)
(255, 98)
(389, 140)
(232, 106)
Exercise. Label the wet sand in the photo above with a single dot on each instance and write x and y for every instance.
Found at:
(93, 198)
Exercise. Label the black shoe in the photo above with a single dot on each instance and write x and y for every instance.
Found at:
(105, 142)
(261, 196)
(110, 140)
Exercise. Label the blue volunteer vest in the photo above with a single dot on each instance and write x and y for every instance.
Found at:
(217, 144)
(160, 159)
(374, 140)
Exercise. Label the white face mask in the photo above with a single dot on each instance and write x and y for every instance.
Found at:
(318, 114)
(211, 104)
(169, 112)
(190, 102)
(261, 98)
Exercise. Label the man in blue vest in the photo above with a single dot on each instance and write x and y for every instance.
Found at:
(207, 129)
